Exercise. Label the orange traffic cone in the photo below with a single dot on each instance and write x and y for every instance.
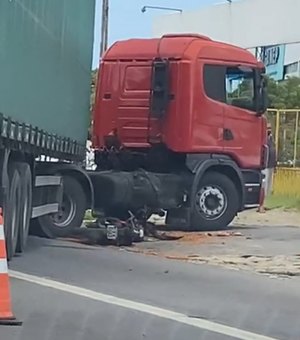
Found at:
(6, 315)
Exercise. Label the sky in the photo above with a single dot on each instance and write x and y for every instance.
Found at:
(127, 21)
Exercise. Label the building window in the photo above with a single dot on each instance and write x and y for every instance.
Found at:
(291, 68)
(232, 85)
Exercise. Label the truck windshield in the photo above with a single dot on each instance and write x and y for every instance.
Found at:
(240, 90)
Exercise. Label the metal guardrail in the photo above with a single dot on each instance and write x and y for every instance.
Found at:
(286, 130)
(287, 182)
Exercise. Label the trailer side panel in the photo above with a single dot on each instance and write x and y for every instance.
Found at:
(45, 64)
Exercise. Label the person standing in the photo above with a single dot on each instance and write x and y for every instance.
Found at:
(271, 166)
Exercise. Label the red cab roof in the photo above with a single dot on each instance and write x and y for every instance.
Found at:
(177, 46)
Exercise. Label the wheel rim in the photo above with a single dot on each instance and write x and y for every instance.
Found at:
(14, 227)
(211, 202)
(25, 214)
(66, 212)
(15, 204)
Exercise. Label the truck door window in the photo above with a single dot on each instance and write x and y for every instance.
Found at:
(240, 90)
(214, 82)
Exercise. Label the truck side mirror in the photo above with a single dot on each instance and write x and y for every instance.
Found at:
(160, 88)
(265, 101)
(262, 95)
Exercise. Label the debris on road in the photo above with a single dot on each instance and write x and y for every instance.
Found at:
(240, 248)
(114, 231)
(274, 217)
(275, 266)
(109, 231)
(180, 258)
(225, 234)
(151, 230)
(280, 265)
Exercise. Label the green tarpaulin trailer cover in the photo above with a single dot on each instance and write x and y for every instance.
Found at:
(45, 64)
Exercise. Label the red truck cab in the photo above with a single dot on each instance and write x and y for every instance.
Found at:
(188, 106)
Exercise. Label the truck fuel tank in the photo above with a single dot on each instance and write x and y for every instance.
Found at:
(136, 190)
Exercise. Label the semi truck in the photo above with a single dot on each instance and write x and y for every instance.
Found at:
(178, 125)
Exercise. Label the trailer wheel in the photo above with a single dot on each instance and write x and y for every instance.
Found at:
(12, 211)
(216, 203)
(71, 213)
(25, 204)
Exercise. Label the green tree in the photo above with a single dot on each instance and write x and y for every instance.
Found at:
(284, 94)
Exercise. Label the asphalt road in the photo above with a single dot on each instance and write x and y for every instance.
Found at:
(95, 293)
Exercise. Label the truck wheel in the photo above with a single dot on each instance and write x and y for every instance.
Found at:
(25, 204)
(216, 203)
(71, 213)
(12, 212)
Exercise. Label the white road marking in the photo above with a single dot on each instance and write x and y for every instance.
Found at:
(140, 307)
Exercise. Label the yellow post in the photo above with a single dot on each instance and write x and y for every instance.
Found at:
(296, 139)
(277, 130)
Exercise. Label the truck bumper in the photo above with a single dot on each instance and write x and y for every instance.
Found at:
(253, 187)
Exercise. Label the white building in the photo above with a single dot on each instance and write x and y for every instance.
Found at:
(292, 60)
(246, 23)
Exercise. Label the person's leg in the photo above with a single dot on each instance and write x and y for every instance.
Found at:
(265, 172)
(268, 183)
(271, 180)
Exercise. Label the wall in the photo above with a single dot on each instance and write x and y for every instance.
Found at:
(246, 23)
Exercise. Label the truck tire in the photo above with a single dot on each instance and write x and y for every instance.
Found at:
(25, 204)
(71, 213)
(216, 203)
(12, 211)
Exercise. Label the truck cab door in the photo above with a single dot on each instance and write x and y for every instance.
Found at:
(208, 122)
(104, 123)
(242, 134)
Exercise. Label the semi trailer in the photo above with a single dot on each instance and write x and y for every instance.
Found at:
(178, 125)
(45, 69)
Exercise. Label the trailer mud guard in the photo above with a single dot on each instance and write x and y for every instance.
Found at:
(72, 170)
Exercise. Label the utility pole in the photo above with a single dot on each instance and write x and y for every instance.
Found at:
(104, 27)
